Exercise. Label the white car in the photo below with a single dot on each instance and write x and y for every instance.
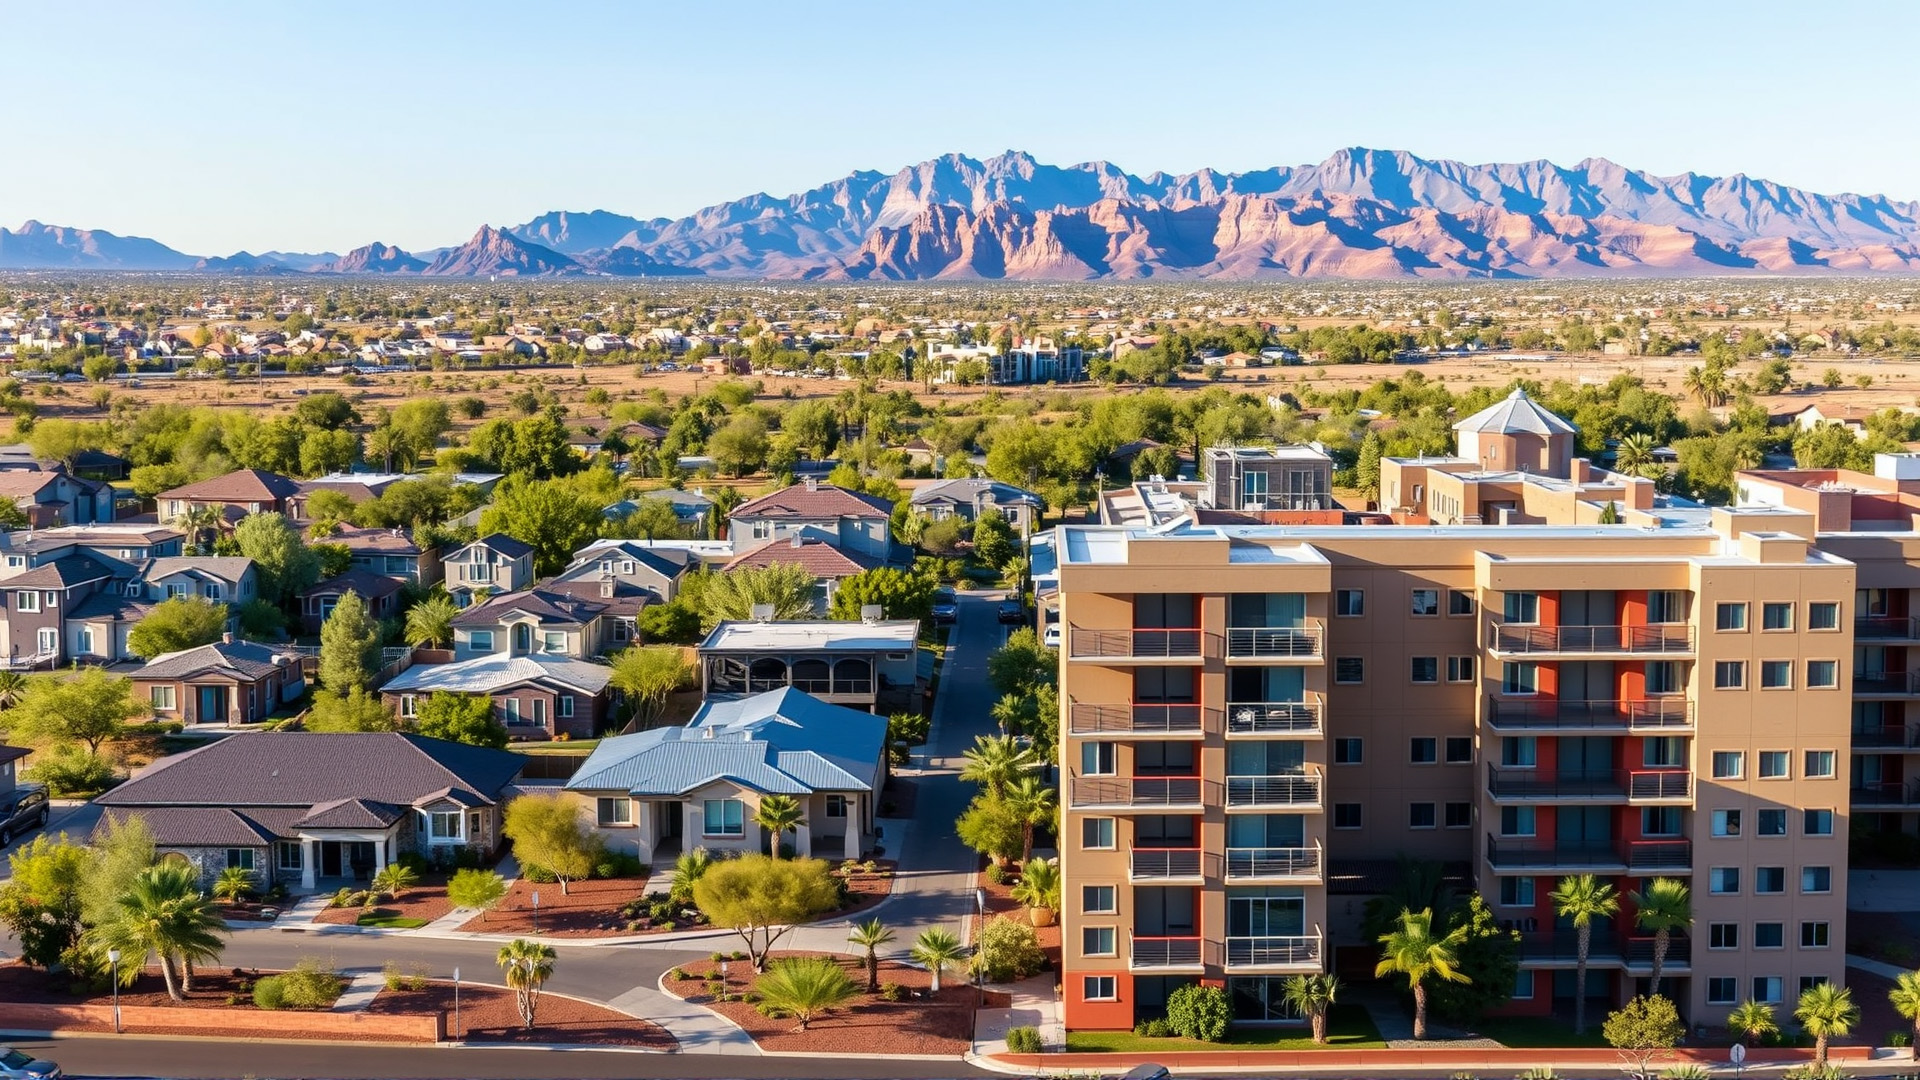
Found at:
(1051, 639)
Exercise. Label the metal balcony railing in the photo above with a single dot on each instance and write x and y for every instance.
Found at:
(1548, 714)
(1889, 683)
(1679, 958)
(1274, 642)
(1163, 952)
(1889, 737)
(1664, 640)
(1130, 791)
(1162, 864)
(1182, 644)
(1295, 951)
(1635, 856)
(1257, 864)
(1649, 856)
(1887, 793)
(1255, 718)
(1563, 946)
(1286, 789)
(1140, 719)
(1886, 628)
(1505, 782)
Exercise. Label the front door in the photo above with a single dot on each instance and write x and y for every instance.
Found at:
(329, 858)
(213, 705)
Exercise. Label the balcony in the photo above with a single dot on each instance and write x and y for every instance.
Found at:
(1561, 948)
(1300, 953)
(1665, 715)
(1163, 953)
(1141, 720)
(1886, 683)
(1135, 792)
(1294, 865)
(1508, 784)
(1887, 795)
(1896, 738)
(1280, 792)
(1511, 854)
(1275, 719)
(1886, 628)
(1164, 865)
(1678, 961)
(1597, 641)
(1136, 646)
(1272, 644)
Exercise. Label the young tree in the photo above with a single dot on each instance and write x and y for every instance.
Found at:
(430, 622)
(547, 832)
(461, 718)
(1022, 664)
(762, 898)
(91, 708)
(1905, 999)
(354, 710)
(995, 761)
(900, 594)
(233, 883)
(41, 903)
(163, 913)
(1312, 996)
(1642, 1030)
(646, 677)
(552, 518)
(805, 987)
(1752, 1019)
(731, 597)
(1664, 907)
(939, 950)
(527, 966)
(993, 540)
(481, 890)
(182, 622)
(282, 560)
(778, 815)
(869, 936)
(741, 446)
(349, 646)
(654, 519)
(1035, 803)
(1413, 949)
(1489, 955)
(1826, 1011)
(394, 879)
(122, 848)
(991, 827)
(1580, 899)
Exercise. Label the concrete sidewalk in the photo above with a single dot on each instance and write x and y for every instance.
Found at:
(700, 1031)
(1034, 1005)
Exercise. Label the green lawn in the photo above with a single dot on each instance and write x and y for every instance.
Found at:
(1349, 1028)
(386, 921)
(1528, 1032)
(571, 746)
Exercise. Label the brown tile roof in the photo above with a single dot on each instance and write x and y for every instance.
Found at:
(242, 485)
(820, 502)
(815, 556)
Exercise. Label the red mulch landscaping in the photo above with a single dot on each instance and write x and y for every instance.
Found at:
(247, 912)
(427, 900)
(211, 990)
(489, 1014)
(866, 889)
(588, 909)
(1000, 901)
(936, 1025)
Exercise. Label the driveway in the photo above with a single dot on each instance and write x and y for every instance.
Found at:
(75, 818)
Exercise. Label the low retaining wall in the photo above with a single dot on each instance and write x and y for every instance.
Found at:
(1466, 1059)
(150, 1019)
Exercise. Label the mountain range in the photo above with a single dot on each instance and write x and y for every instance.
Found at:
(1359, 214)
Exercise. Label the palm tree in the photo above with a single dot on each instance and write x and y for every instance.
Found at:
(1664, 907)
(870, 935)
(805, 987)
(1580, 899)
(1312, 997)
(430, 622)
(200, 523)
(1033, 801)
(394, 879)
(690, 867)
(1634, 456)
(1905, 997)
(163, 913)
(778, 815)
(1752, 1019)
(1412, 949)
(13, 686)
(994, 761)
(527, 965)
(233, 883)
(1826, 1011)
(939, 950)
(1039, 889)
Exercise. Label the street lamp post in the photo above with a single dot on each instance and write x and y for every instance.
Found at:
(456, 1003)
(113, 965)
(536, 911)
(980, 968)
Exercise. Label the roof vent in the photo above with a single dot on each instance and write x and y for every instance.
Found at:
(706, 733)
(871, 613)
(762, 612)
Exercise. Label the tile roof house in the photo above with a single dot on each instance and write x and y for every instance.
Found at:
(308, 809)
(849, 520)
(95, 628)
(248, 491)
(530, 621)
(815, 554)
(379, 592)
(53, 497)
(390, 552)
(228, 682)
(703, 783)
(535, 697)
(656, 571)
(966, 498)
(493, 564)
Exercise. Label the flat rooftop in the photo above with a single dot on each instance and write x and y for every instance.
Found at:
(799, 635)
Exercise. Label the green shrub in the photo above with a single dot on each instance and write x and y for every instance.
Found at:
(72, 770)
(1023, 1040)
(310, 985)
(1687, 1071)
(270, 993)
(390, 976)
(892, 991)
(1011, 950)
(539, 875)
(1152, 1029)
(1199, 1012)
(996, 874)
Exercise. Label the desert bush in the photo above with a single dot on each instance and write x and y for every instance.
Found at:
(1011, 950)
(270, 993)
(310, 985)
(1023, 1040)
(1199, 1012)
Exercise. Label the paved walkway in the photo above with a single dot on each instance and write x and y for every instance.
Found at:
(1034, 1005)
(366, 982)
(1876, 967)
(700, 1031)
(1883, 890)
(1389, 1014)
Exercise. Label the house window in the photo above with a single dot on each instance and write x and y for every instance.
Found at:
(1823, 674)
(1426, 602)
(1460, 669)
(406, 705)
(1816, 879)
(1814, 935)
(1776, 616)
(1096, 833)
(1420, 815)
(1349, 669)
(1097, 941)
(163, 698)
(1723, 880)
(1459, 749)
(1729, 764)
(1773, 765)
(1459, 815)
(29, 601)
(1516, 892)
(1346, 815)
(1766, 989)
(1349, 751)
(617, 810)
(1816, 823)
(1099, 988)
(1824, 615)
(1098, 900)
(240, 858)
(1769, 880)
(836, 806)
(620, 632)
(1349, 603)
(1770, 822)
(1522, 608)
(289, 856)
(1425, 669)
(1722, 989)
(1818, 765)
(1519, 678)
(1730, 618)
(1459, 602)
(565, 706)
(1729, 674)
(481, 640)
(1726, 823)
(1423, 750)
(1097, 759)
(213, 592)
(1769, 935)
(443, 825)
(553, 641)
(1517, 820)
(1723, 935)
(1776, 674)
(86, 641)
(724, 817)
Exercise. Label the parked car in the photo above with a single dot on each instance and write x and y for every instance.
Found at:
(1012, 612)
(946, 605)
(19, 1065)
(1051, 639)
(1147, 1071)
(22, 810)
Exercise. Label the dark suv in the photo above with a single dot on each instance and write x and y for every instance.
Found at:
(21, 810)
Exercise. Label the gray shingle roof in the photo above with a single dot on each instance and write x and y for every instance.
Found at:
(494, 672)
(240, 659)
(546, 607)
(198, 826)
(1516, 414)
(69, 570)
(303, 769)
(365, 584)
(351, 814)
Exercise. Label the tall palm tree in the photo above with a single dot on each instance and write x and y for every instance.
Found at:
(1034, 802)
(200, 523)
(994, 761)
(1634, 456)
(939, 950)
(13, 686)
(779, 815)
(430, 622)
(527, 966)
(870, 935)
(1312, 997)
(1826, 1011)
(1752, 1019)
(1664, 907)
(1580, 899)
(1905, 997)
(163, 913)
(1414, 950)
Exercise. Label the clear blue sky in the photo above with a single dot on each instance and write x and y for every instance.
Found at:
(302, 126)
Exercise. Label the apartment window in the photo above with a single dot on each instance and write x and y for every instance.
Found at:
(1730, 618)
(1346, 815)
(1723, 935)
(163, 698)
(1349, 669)
(1097, 759)
(1097, 941)
(1819, 765)
(1519, 678)
(1808, 982)
(1420, 815)
(1099, 988)
(1766, 989)
(1721, 990)
(1426, 602)
(1814, 935)
(1769, 935)
(1773, 765)
(481, 640)
(1096, 832)
(1723, 880)
(1519, 752)
(1349, 603)
(1666, 606)
(1769, 880)
(1460, 669)
(1099, 900)
(1776, 616)
(1823, 615)
(1729, 764)
(1459, 749)
(1816, 879)
(1729, 674)
(1663, 752)
(1816, 823)
(1776, 674)
(1516, 891)
(1424, 669)
(1348, 751)
(1770, 822)
(836, 806)
(1523, 985)
(724, 817)
(1522, 608)
(1459, 815)
(1423, 750)
(1659, 821)
(1516, 821)
(615, 811)
(1459, 602)
(29, 601)
(1726, 823)
(1823, 674)
(1663, 677)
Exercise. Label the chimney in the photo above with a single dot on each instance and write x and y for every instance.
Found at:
(606, 588)
(813, 483)
(797, 542)
(226, 638)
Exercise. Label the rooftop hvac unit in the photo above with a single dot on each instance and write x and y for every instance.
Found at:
(762, 612)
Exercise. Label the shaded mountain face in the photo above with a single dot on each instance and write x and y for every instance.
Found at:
(571, 233)
(34, 246)
(493, 251)
(376, 258)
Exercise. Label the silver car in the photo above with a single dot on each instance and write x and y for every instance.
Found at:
(17, 1065)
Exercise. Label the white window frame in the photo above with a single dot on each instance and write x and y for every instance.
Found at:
(613, 811)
